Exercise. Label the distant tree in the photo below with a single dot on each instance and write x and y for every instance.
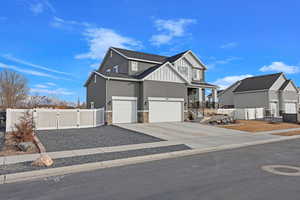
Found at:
(13, 89)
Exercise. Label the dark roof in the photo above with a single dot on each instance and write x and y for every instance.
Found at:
(203, 84)
(148, 71)
(284, 84)
(175, 57)
(263, 82)
(141, 55)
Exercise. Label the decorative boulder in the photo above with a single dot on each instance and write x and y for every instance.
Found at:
(27, 146)
(43, 161)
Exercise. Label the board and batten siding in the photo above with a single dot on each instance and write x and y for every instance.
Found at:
(166, 74)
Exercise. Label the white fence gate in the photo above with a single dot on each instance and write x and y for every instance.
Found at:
(47, 119)
(243, 113)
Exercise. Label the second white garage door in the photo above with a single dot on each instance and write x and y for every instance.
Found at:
(124, 109)
(165, 110)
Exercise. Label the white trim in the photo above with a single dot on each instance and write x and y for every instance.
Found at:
(108, 111)
(115, 78)
(164, 99)
(196, 57)
(273, 100)
(135, 59)
(124, 98)
(139, 111)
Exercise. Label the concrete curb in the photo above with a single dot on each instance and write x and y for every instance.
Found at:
(38, 174)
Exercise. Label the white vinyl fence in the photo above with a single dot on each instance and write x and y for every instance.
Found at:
(47, 119)
(243, 113)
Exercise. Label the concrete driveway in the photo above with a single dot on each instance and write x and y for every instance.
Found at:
(196, 135)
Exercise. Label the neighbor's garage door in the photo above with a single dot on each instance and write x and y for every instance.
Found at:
(124, 109)
(290, 108)
(165, 110)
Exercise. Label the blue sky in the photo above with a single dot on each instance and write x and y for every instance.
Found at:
(56, 44)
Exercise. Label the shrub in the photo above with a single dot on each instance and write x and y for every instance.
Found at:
(24, 130)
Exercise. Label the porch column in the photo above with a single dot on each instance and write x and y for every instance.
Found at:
(200, 93)
(215, 96)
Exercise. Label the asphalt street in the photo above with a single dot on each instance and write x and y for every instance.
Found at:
(232, 174)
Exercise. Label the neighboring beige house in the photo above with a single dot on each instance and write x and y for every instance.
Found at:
(274, 92)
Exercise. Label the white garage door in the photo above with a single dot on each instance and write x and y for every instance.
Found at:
(290, 108)
(165, 110)
(124, 109)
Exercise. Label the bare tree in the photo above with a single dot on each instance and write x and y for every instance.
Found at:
(13, 89)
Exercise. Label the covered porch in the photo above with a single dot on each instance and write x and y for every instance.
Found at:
(202, 96)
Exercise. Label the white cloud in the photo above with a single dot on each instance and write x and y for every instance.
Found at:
(30, 72)
(280, 67)
(58, 22)
(100, 39)
(229, 80)
(224, 61)
(41, 86)
(229, 45)
(38, 7)
(170, 29)
(94, 65)
(58, 91)
(51, 84)
(23, 62)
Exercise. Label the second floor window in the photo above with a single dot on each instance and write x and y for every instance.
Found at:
(116, 68)
(134, 66)
(196, 74)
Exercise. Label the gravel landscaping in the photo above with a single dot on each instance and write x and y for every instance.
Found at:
(103, 136)
(26, 166)
(1, 139)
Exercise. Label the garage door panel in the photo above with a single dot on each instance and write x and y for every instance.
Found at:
(165, 111)
(124, 111)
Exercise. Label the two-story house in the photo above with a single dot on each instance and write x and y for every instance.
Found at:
(140, 87)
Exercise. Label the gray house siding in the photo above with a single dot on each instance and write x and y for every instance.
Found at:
(258, 99)
(226, 98)
(142, 66)
(110, 61)
(96, 92)
(163, 89)
(123, 89)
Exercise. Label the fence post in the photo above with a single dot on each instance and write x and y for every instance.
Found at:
(78, 118)
(8, 120)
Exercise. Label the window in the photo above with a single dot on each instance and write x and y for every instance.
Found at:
(116, 68)
(92, 105)
(196, 74)
(95, 78)
(108, 70)
(183, 68)
(134, 66)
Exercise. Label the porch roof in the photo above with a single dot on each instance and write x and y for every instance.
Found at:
(202, 85)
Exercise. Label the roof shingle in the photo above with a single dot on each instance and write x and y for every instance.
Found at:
(140, 55)
(263, 82)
